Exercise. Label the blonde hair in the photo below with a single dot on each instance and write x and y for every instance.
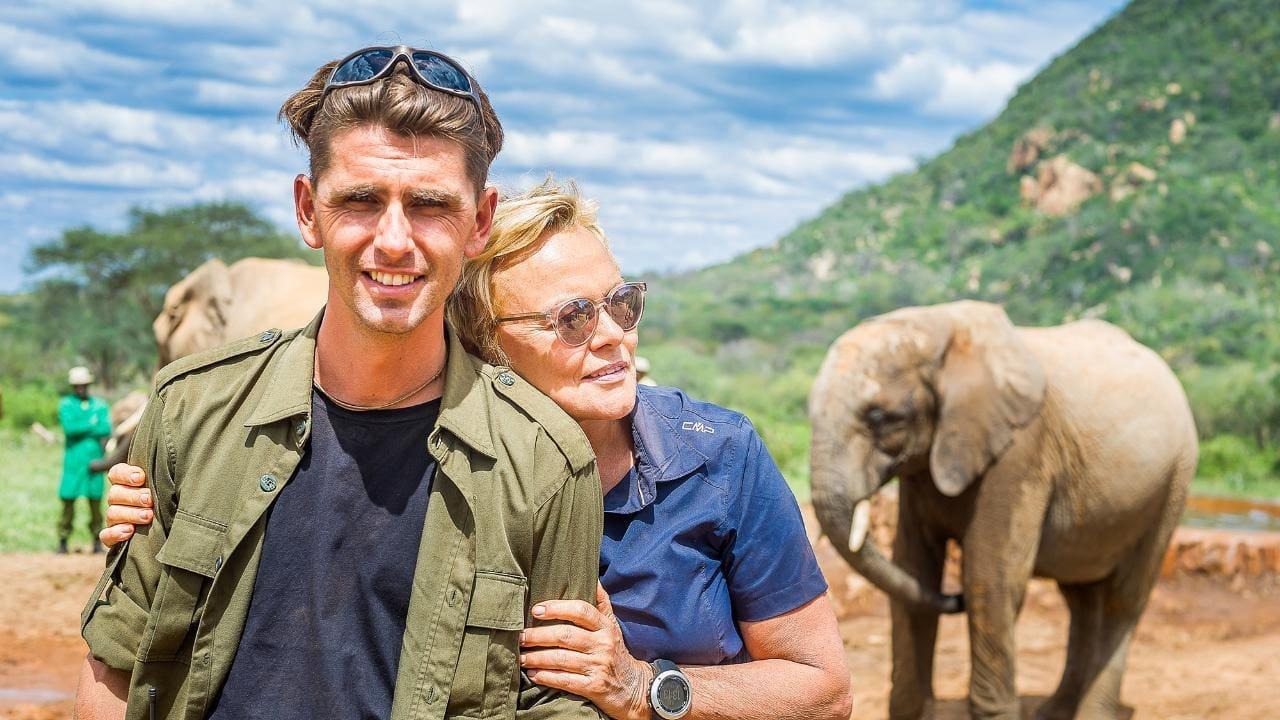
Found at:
(521, 224)
(400, 104)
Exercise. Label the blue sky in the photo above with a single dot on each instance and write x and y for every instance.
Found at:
(703, 128)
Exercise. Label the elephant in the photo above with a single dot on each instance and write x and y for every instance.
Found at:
(1060, 452)
(216, 304)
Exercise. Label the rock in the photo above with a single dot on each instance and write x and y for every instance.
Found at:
(1177, 131)
(1120, 272)
(1027, 149)
(1155, 104)
(1130, 180)
(1029, 190)
(821, 265)
(1061, 186)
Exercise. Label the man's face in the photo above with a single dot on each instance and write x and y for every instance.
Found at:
(397, 217)
(81, 391)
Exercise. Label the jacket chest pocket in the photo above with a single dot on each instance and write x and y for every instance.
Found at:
(487, 679)
(189, 560)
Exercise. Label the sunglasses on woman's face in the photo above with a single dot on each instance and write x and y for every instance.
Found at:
(575, 320)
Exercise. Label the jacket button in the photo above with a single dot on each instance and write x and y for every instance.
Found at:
(268, 336)
(300, 429)
(267, 483)
(506, 378)
(217, 563)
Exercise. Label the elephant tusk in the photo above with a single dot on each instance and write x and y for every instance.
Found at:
(860, 525)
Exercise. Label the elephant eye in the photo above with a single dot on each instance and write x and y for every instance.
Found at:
(878, 417)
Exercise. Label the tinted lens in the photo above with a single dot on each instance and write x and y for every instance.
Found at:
(576, 321)
(441, 73)
(626, 305)
(363, 66)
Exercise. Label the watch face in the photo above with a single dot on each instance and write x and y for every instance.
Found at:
(673, 694)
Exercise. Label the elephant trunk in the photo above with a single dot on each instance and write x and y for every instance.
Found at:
(846, 520)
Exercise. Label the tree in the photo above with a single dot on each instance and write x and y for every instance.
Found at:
(98, 292)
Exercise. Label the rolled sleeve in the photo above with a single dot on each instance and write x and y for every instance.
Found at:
(116, 616)
(770, 566)
(566, 562)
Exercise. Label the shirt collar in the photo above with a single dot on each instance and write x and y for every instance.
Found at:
(463, 409)
(662, 455)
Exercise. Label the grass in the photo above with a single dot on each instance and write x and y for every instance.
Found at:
(29, 505)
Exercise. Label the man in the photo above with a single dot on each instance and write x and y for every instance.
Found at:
(369, 548)
(85, 421)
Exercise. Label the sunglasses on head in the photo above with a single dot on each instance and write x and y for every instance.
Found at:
(427, 67)
(575, 320)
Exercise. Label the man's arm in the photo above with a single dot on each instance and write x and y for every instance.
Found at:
(75, 423)
(566, 565)
(103, 693)
(101, 424)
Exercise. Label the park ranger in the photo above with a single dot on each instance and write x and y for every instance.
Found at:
(86, 422)
(353, 519)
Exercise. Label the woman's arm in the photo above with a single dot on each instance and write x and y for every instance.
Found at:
(799, 669)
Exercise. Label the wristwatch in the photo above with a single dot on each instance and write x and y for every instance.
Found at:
(670, 695)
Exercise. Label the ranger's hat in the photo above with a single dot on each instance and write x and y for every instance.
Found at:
(79, 375)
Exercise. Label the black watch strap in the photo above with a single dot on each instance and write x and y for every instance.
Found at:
(669, 684)
(660, 666)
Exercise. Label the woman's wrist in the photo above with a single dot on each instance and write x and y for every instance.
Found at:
(642, 679)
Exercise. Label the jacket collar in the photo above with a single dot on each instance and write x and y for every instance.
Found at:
(463, 409)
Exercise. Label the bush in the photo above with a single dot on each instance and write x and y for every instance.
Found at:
(1232, 465)
(27, 404)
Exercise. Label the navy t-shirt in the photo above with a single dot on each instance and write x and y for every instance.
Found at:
(702, 534)
(327, 618)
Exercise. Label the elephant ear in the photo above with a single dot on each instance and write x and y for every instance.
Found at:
(206, 293)
(989, 384)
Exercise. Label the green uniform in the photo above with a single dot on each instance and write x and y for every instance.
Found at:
(84, 423)
(514, 518)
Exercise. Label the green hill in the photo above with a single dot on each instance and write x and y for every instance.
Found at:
(1134, 179)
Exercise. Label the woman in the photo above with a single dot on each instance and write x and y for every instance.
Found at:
(704, 560)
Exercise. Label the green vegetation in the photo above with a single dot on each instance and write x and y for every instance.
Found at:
(29, 505)
(1181, 249)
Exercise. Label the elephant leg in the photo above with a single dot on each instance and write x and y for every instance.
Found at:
(1085, 604)
(1123, 598)
(1000, 548)
(915, 630)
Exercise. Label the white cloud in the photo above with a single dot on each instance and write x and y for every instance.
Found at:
(224, 94)
(117, 174)
(28, 53)
(942, 85)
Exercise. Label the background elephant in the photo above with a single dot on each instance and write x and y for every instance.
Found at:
(1062, 452)
(216, 304)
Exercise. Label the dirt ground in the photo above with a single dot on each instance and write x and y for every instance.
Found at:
(1203, 650)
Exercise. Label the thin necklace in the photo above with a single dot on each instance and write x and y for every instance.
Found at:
(366, 408)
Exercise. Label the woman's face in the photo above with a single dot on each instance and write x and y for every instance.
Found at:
(595, 380)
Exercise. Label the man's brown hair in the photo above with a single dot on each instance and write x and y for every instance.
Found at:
(400, 104)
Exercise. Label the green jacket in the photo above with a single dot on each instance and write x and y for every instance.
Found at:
(84, 423)
(514, 518)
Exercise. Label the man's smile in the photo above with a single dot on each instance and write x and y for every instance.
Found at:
(391, 280)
